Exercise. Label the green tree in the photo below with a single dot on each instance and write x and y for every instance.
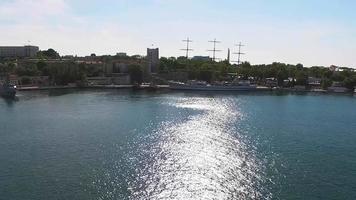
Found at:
(325, 83)
(43, 68)
(350, 82)
(7, 68)
(136, 74)
(301, 77)
(206, 75)
(50, 53)
(281, 76)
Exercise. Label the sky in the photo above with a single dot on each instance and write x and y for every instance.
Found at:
(311, 32)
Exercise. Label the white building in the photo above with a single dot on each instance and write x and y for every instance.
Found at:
(18, 51)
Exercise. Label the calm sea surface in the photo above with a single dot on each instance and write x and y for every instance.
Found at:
(139, 145)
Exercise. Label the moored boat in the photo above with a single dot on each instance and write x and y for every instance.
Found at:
(7, 90)
(203, 86)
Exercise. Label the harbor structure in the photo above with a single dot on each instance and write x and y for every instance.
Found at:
(239, 53)
(228, 55)
(18, 51)
(214, 50)
(121, 54)
(187, 49)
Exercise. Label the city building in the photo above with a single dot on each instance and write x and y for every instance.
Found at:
(337, 88)
(201, 58)
(271, 82)
(314, 83)
(334, 68)
(228, 55)
(121, 65)
(12, 79)
(121, 54)
(18, 51)
(153, 60)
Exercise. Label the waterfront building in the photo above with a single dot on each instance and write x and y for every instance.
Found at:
(99, 80)
(314, 83)
(271, 82)
(300, 88)
(120, 67)
(68, 57)
(337, 88)
(289, 82)
(334, 68)
(113, 79)
(121, 54)
(153, 60)
(201, 58)
(18, 51)
(12, 79)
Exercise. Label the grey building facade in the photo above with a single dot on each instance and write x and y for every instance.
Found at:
(18, 51)
(153, 60)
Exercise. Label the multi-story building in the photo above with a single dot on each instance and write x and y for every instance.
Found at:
(201, 58)
(153, 60)
(18, 51)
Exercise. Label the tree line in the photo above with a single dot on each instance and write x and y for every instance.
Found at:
(218, 71)
(69, 71)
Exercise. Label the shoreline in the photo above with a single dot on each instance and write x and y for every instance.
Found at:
(166, 87)
(36, 88)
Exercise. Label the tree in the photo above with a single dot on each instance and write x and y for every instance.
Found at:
(206, 75)
(136, 74)
(43, 68)
(7, 68)
(281, 76)
(301, 77)
(299, 66)
(325, 83)
(350, 82)
(50, 53)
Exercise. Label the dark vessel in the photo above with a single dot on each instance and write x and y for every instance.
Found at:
(7, 90)
(203, 86)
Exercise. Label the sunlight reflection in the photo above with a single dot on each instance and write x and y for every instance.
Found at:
(202, 157)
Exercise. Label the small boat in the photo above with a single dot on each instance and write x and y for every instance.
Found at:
(152, 87)
(338, 89)
(7, 90)
(137, 86)
(203, 86)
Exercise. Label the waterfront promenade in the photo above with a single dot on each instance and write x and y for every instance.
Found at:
(167, 87)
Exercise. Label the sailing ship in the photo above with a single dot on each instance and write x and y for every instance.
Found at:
(204, 86)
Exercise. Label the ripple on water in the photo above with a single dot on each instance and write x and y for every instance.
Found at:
(201, 157)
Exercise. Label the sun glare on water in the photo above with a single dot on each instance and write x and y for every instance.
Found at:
(202, 157)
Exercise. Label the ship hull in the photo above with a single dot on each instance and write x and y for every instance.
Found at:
(213, 88)
(8, 92)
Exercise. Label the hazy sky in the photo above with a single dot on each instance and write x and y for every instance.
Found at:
(312, 32)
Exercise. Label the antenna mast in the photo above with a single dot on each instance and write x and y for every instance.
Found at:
(214, 50)
(239, 53)
(187, 49)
